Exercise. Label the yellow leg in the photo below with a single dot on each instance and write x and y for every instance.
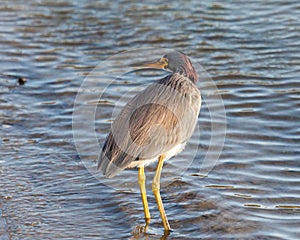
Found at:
(142, 180)
(156, 192)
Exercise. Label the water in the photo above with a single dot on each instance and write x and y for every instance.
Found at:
(250, 49)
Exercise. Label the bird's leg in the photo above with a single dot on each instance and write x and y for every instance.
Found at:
(156, 192)
(142, 181)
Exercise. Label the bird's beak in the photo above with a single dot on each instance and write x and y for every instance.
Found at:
(161, 63)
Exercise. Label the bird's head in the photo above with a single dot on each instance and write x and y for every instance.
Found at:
(176, 62)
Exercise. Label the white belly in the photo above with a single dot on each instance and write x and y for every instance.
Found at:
(172, 152)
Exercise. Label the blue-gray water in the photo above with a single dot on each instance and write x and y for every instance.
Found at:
(252, 51)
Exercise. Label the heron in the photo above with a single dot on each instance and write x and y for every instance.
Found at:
(154, 126)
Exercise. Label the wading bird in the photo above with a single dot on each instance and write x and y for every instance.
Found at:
(154, 126)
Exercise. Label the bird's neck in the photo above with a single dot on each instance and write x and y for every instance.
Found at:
(188, 71)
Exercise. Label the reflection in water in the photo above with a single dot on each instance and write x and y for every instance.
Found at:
(251, 50)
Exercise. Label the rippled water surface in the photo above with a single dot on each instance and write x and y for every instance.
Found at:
(251, 50)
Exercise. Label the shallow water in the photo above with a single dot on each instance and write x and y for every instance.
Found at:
(250, 49)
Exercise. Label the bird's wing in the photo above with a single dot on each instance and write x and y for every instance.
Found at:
(154, 121)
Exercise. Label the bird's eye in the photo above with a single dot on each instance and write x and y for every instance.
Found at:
(164, 61)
